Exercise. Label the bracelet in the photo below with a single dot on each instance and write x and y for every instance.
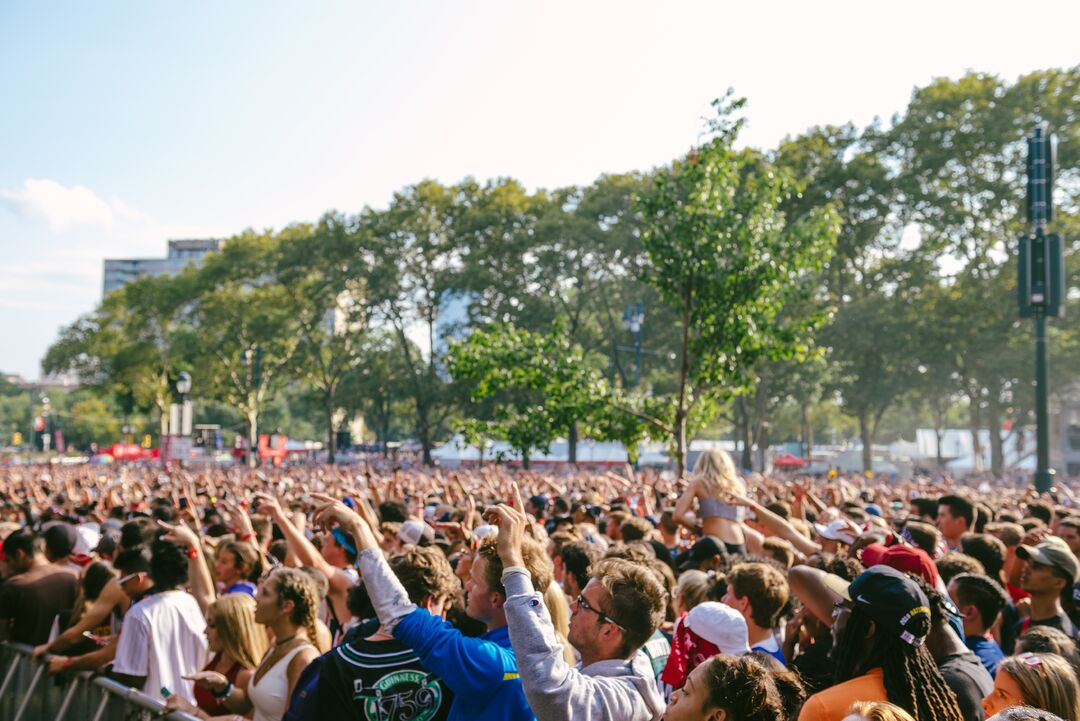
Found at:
(224, 694)
(247, 536)
(192, 552)
(67, 661)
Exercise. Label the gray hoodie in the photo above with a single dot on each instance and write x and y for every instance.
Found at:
(611, 690)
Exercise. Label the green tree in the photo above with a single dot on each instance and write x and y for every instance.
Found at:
(243, 329)
(723, 253)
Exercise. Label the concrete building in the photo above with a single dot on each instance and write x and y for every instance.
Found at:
(120, 271)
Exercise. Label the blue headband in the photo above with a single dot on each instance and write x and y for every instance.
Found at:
(343, 540)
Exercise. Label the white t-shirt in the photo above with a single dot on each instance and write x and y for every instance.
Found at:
(163, 638)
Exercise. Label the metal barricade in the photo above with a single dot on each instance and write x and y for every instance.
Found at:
(29, 693)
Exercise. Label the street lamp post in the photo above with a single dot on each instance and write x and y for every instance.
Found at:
(1041, 285)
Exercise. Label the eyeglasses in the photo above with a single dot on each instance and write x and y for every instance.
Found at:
(129, 577)
(604, 618)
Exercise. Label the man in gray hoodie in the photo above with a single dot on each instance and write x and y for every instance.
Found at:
(612, 618)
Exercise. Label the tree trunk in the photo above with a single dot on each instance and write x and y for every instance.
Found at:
(524, 462)
(939, 422)
(997, 451)
(973, 427)
(253, 437)
(681, 451)
(571, 444)
(684, 380)
(331, 436)
(866, 433)
(807, 432)
(743, 422)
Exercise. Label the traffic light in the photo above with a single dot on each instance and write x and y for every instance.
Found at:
(16, 439)
(147, 441)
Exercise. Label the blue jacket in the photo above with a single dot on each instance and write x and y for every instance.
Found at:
(482, 672)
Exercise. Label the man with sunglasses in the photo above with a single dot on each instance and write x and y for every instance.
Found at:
(611, 619)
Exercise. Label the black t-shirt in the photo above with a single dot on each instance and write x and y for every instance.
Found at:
(379, 681)
(815, 666)
(969, 680)
(1061, 622)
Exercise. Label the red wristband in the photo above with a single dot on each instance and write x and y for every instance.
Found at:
(192, 552)
(247, 536)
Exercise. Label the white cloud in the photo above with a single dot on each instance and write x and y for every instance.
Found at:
(63, 207)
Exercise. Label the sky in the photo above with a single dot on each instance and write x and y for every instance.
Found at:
(124, 124)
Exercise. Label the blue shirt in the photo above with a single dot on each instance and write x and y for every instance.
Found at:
(482, 672)
(987, 650)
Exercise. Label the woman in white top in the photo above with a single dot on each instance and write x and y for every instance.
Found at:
(286, 604)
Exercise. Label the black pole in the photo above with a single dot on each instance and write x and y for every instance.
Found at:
(1044, 475)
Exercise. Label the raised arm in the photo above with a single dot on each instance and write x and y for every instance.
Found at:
(202, 584)
(305, 550)
(682, 506)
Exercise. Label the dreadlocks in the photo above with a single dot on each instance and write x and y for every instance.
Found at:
(911, 677)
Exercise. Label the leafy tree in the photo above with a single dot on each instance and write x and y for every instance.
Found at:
(415, 256)
(320, 273)
(722, 253)
(243, 329)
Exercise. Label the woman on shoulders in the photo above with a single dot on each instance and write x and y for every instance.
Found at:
(712, 481)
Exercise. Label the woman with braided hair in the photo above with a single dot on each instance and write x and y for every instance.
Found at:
(727, 688)
(880, 624)
(286, 603)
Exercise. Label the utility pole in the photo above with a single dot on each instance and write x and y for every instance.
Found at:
(1041, 285)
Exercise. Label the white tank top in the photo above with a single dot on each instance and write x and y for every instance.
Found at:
(270, 695)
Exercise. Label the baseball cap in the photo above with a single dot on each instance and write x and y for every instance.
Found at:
(893, 601)
(720, 625)
(838, 530)
(706, 547)
(411, 532)
(903, 558)
(1053, 552)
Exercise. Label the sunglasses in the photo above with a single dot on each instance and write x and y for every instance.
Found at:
(129, 577)
(604, 618)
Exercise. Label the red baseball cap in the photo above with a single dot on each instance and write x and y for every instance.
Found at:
(903, 558)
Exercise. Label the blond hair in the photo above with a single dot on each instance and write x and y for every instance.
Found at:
(233, 616)
(1046, 681)
(716, 471)
(879, 711)
(559, 608)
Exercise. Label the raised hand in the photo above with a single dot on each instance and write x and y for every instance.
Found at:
(180, 534)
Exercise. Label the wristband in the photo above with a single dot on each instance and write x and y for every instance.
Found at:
(67, 661)
(192, 552)
(247, 536)
(224, 694)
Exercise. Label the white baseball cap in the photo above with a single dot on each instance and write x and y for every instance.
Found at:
(720, 625)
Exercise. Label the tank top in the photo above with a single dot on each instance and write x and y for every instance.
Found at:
(270, 696)
(715, 508)
(205, 698)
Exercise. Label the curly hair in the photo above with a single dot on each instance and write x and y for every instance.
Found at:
(743, 687)
(532, 553)
(424, 571)
(294, 585)
(638, 599)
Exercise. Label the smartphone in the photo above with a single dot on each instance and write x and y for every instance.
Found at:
(183, 503)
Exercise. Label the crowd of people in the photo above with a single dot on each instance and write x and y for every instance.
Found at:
(385, 593)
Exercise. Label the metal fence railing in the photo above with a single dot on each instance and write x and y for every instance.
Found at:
(29, 693)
